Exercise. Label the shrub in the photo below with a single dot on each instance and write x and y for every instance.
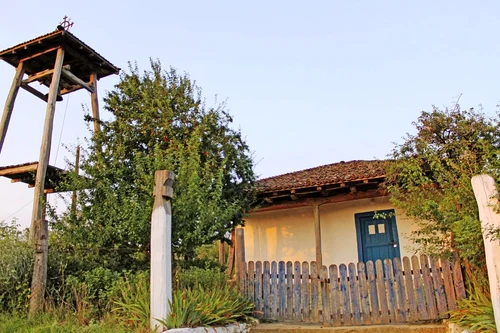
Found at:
(207, 278)
(207, 307)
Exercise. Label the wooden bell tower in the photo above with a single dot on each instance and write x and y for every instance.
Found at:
(63, 63)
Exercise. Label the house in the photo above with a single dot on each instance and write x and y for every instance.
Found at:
(331, 214)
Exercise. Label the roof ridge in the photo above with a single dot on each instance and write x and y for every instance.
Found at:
(316, 167)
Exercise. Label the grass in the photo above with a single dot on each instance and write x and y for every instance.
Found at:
(52, 323)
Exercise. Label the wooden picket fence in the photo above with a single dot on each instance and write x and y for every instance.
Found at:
(392, 291)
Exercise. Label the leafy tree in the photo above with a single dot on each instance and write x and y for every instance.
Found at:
(160, 121)
(430, 178)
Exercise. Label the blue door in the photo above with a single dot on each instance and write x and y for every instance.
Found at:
(377, 235)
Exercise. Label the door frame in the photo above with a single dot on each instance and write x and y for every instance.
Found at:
(394, 229)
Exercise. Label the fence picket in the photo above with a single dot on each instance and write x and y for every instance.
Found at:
(438, 288)
(391, 292)
(306, 293)
(363, 294)
(258, 289)
(400, 283)
(410, 290)
(372, 284)
(428, 288)
(335, 294)
(281, 290)
(314, 292)
(354, 293)
(381, 291)
(448, 285)
(325, 296)
(344, 290)
(458, 279)
(274, 290)
(289, 290)
(419, 288)
(251, 281)
(266, 288)
(297, 295)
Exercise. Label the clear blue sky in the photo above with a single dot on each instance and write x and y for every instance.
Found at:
(308, 83)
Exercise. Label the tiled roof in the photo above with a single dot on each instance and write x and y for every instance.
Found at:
(335, 173)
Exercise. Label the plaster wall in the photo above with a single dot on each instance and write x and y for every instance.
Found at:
(288, 234)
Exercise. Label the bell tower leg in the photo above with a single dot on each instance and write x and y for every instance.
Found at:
(9, 103)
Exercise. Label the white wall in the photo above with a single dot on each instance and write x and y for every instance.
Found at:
(288, 235)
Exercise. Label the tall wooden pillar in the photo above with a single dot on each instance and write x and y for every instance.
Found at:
(95, 103)
(317, 236)
(9, 103)
(43, 161)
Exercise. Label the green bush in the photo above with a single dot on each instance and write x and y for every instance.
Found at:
(207, 278)
(16, 267)
(475, 312)
(207, 307)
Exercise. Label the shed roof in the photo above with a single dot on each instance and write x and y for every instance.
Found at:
(39, 54)
(330, 174)
(26, 173)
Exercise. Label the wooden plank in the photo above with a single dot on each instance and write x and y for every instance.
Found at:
(458, 279)
(410, 291)
(372, 287)
(363, 294)
(306, 293)
(52, 49)
(289, 290)
(266, 289)
(76, 80)
(274, 290)
(439, 292)
(325, 297)
(354, 294)
(344, 291)
(391, 291)
(382, 293)
(230, 259)
(297, 293)
(419, 289)
(251, 281)
(39, 76)
(448, 285)
(281, 290)
(314, 293)
(34, 92)
(335, 295)
(401, 292)
(428, 288)
(239, 255)
(9, 102)
(317, 235)
(258, 289)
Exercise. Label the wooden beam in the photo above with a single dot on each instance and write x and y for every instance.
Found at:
(76, 54)
(76, 80)
(95, 103)
(70, 89)
(38, 76)
(19, 169)
(317, 235)
(292, 195)
(353, 189)
(39, 279)
(268, 200)
(9, 103)
(52, 49)
(324, 193)
(34, 92)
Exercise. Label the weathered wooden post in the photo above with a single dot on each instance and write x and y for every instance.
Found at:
(39, 280)
(486, 193)
(239, 256)
(161, 249)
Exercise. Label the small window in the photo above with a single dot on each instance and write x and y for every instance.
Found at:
(381, 228)
(371, 229)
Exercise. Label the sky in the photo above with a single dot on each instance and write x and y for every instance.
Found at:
(308, 83)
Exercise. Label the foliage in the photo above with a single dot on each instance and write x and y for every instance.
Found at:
(475, 312)
(159, 121)
(130, 299)
(16, 267)
(208, 278)
(430, 178)
(207, 307)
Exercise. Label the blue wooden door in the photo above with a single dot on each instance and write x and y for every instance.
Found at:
(377, 235)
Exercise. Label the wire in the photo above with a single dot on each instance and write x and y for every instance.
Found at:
(17, 211)
(62, 128)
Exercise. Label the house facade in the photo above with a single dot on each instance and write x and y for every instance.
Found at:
(331, 214)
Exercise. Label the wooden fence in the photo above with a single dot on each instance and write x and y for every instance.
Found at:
(392, 291)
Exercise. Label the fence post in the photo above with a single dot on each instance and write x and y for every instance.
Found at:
(486, 193)
(239, 254)
(161, 249)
